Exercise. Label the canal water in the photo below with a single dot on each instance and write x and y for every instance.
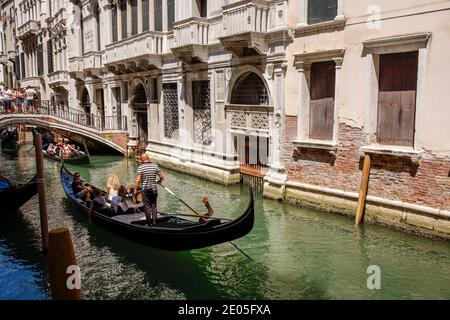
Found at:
(299, 254)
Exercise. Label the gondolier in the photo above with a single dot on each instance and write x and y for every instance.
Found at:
(146, 179)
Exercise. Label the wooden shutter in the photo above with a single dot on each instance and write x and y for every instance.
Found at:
(170, 14)
(145, 15)
(22, 63)
(321, 10)
(124, 20)
(397, 98)
(203, 8)
(50, 55)
(17, 67)
(158, 15)
(134, 17)
(114, 24)
(323, 78)
(40, 59)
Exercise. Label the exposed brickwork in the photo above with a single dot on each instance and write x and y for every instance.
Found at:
(391, 177)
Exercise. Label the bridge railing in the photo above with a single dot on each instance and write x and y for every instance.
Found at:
(107, 123)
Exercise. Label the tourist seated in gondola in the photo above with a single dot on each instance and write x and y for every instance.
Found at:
(67, 149)
(119, 202)
(51, 150)
(112, 187)
(81, 191)
(99, 204)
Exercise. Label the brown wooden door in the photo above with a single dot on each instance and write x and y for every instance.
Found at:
(397, 98)
(323, 78)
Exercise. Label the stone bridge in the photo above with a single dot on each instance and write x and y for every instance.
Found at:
(108, 131)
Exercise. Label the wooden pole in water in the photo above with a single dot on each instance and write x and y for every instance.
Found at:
(363, 190)
(63, 269)
(41, 190)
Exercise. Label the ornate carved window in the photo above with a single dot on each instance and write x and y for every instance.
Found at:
(250, 90)
(171, 121)
(201, 104)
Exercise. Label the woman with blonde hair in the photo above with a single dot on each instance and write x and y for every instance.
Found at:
(112, 187)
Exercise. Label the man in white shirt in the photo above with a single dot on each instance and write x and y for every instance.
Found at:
(29, 96)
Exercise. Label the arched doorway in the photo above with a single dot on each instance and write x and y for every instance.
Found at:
(250, 105)
(86, 106)
(139, 104)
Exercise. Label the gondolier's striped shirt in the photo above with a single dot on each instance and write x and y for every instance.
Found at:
(148, 173)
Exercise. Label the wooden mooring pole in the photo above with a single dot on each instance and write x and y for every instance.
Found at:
(65, 283)
(41, 191)
(363, 190)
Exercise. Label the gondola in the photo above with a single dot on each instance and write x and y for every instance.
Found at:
(170, 232)
(80, 159)
(9, 139)
(17, 194)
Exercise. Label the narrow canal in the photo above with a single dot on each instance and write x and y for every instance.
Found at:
(300, 254)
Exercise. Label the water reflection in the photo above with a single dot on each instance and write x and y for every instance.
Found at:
(300, 254)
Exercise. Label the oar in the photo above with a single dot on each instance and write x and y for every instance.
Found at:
(181, 200)
(198, 214)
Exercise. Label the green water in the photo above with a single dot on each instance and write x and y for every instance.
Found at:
(300, 254)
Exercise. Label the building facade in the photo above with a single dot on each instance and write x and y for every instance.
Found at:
(7, 44)
(295, 92)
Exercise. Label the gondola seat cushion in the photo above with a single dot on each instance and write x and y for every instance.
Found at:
(4, 185)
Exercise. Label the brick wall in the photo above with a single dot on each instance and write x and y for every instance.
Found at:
(391, 177)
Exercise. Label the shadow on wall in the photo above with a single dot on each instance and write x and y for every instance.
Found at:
(396, 164)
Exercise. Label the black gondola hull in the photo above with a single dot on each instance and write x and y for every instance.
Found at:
(15, 197)
(83, 159)
(195, 237)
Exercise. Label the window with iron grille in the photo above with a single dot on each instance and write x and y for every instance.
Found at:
(321, 10)
(171, 121)
(145, 15)
(114, 24)
(201, 105)
(50, 55)
(250, 90)
(158, 15)
(170, 14)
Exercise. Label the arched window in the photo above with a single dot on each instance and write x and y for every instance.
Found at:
(249, 89)
(139, 99)
(86, 102)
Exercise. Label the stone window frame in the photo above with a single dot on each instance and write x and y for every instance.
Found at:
(372, 49)
(303, 63)
(303, 17)
(188, 112)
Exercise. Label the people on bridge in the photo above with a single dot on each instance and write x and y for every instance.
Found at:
(30, 94)
(112, 186)
(7, 99)
(146, 179)
(19, 96)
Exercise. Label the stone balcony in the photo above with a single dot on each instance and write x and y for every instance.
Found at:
(248, 23)
(89, 65)
(58, 79)
(137, 53)
(28, 29)
(33, 82)
(191, 40)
